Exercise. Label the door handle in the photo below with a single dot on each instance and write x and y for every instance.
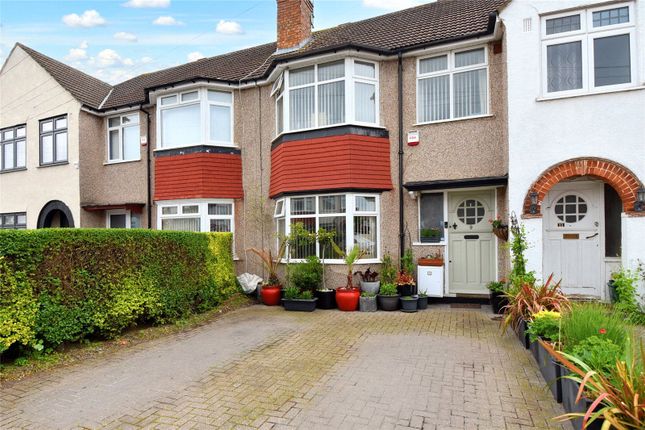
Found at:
(592, 236)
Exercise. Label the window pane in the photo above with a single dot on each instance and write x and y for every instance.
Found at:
(279, 207)
(8, 156)
(331, 103)
(169, 210)
(335, 224)
(114, 122)
(470, 93)
(612, 63)
(61, 146)
(9, 220)
(131, 143)
(301, 108)
(331, 70)
(365, 103)
(564, 66)
(365, 235)
(168, 100)
(431, 214)
(611, 16)
(301, 76)
(331, 204)
(365, 204)
(61, 123)
(20, 153)
(180, 224)
(279, 107)
(303, 205)
(367, 70)
(180, 126)
(46, 126)
(189, 97)
(220, 225)
(117, 221)
(434, 99)
(468, 58)
(563, 24)
(6, 135)
(220, 209)
(220, 97)
(303, 248)
(21, 219)
(47, 149)
(220, 123)
(131, 119)
(191, 209)
(20, 132)
(115, 145)
(436, 64)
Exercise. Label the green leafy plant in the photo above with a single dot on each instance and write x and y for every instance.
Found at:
(388, 271)
(306, 295)
(307, 276)
(367, 294)
(592, 319)
(291, 293)
(271, 262)
(496, 286)
(18, 309)
(388, 289)
(431, 233)
(599, 353)
(545, 325)
(350, 258)
(626, 281)
(407, 262)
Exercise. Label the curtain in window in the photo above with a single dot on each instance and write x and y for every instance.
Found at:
(115, 145)
(365, 235)
(280, 115)
(220, 225)
(180, 126)
(302, 76)
(331, 103)
(181, 224)
(434, 98)
(470, 93)
(435, 64)
(301, 108)
(335, 224)
(469, 58)
(220, 123)
(304, 249)
(564, 66)
(130, 143)
(330, 71)
(365, 102)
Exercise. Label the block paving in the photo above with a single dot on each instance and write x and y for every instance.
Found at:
(265, 368)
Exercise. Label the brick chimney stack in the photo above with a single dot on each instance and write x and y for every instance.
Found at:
(295, 19)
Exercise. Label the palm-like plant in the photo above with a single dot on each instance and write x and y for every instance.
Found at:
(350, 258)
(271, 262)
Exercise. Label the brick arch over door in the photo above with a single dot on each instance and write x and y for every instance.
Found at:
(618, 176)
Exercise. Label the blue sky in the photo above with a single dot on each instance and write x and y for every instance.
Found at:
(117, 39)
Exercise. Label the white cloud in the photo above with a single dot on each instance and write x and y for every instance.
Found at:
(166, 20)
(109, 57)
(90, 18)
(146, 60)
(229, 27)
(147, 3)
(78, 54)
(194, 56)
(128, 37)
(391, 4)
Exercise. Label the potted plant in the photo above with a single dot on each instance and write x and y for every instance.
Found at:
(326, 296)
(271, 290)
(347, 296)
(422, 303)
(388, 297)
(497, 295)
(499, 228)
(409, 303)
(435, 259)
(545, 327)
(369, 282)
(298, 300)
(431, 235)
(405, 284)
(367, 302)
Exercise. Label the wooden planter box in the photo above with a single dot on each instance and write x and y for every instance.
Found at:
(436, 262)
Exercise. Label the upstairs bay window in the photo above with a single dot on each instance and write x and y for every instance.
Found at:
(452, 86)
(195, 117)
(327, 94)
(589, 50)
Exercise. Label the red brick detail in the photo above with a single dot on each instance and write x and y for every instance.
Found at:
(619, 177)
(294, 22)
(200, 175)
(338, 162)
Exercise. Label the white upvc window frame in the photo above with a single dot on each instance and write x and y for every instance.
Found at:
(127, 213)
(202, 214)
(120, 128)
(350, 78)
(450, 71)
(349, 214)
(586, 35)
(204, 116)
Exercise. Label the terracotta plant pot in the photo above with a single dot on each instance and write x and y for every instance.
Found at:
(271, 295)
(436, 262)
(347, 300)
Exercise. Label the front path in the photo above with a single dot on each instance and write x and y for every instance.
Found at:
(263, 367)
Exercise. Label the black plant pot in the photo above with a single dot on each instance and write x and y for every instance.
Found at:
(405, 289)
(533, 347)
(550, 371)
(326, 299)
(388, 303)
(569, 393)
(497, 301)
(613, 292)
(522, 335)
(302, 305)
(422, 303)
(409, 304)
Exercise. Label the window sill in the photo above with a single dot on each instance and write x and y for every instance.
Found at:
(212, 145)
(60, 163)
(300, 130)
(334, 262)
(587, 94)
(442, 243)
(453, 120)
(108, 163)
(19, 169)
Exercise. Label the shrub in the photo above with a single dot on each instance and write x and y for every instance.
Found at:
(599, 353)
(496, 286)
(545, 325)
(592, 319)
(388, 290)
(626, 282)
(307, 276)
(291, 293)
(388, 271)
(63, 285)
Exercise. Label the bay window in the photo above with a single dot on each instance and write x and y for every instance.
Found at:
(352, 218)
(589, 50)
(196, 117)
(327, 94)
(12, 148)
(196, 215)
(452, 86)
(123, 138)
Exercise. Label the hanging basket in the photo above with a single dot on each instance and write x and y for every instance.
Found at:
(501, 232)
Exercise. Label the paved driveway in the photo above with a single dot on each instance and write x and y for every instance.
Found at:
(262, 367)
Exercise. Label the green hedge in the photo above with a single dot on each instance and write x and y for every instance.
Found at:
(64, 285)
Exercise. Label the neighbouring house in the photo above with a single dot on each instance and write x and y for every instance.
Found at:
(576, 126)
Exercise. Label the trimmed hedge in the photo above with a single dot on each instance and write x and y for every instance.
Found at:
(64, 285)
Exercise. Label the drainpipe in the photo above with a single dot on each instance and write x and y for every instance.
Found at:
(148, 170)
(400, 91)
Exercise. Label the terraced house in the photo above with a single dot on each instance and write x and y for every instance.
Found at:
(392, 132)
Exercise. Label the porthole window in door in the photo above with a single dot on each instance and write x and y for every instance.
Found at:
(570, 208)
(471, 212)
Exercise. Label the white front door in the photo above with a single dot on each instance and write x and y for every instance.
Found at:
(573, 219)
(471, 244)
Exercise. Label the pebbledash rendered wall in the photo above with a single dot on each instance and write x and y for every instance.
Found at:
(545, 132)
